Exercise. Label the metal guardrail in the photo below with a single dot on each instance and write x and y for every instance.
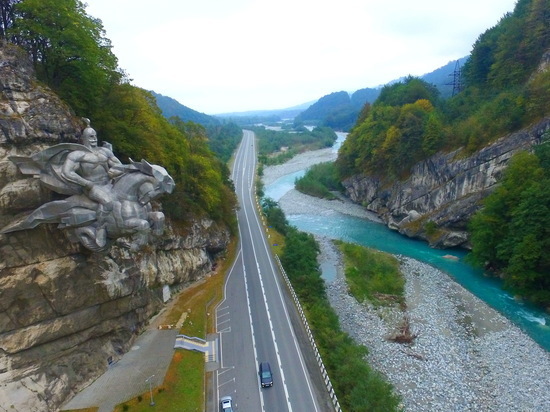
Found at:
(326, 378)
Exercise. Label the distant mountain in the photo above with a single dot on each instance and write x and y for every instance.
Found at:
(288, 113)
(171, 107)
(444, 77)
(279, 113)
(362, 96)
(325, 105)
(339, 110)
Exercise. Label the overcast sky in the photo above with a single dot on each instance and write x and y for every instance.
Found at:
(219, 56)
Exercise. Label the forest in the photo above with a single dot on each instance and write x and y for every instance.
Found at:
(276, 147)
(72, 56)
(502, 92)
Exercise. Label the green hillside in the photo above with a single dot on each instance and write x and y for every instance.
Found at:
(340, 110)
(72, 56)
(503, 92)
(171, 107)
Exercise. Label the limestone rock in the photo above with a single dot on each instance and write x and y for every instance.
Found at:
(444, 191)
(29, 112)
(64, 311)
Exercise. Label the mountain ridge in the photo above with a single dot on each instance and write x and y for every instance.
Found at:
(440, 77)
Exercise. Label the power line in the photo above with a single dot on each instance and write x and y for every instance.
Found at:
(457, 79)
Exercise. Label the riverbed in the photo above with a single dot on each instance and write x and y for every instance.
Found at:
(466, 356)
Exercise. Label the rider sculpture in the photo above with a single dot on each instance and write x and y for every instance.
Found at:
(108, 200)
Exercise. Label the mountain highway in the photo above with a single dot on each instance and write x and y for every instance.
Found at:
(256, 321)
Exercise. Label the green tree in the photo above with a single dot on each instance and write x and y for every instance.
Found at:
(411, 123)
(408, 91)
(320, 180)
(274, 215)
(205, 177)
(434, 134)
(7, 16)
(224, 139)
(511, 234)
(490, 226)
(69, 50)
(528, 269)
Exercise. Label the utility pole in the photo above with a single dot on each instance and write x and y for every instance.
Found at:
(149, 379)
(457, 79)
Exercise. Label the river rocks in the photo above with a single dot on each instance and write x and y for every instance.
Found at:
(65, 312)
(442, 192)
(466, 357)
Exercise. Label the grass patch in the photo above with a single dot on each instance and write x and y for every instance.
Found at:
(372, 275)
(182, 389)
(276, 241)
(320, 180)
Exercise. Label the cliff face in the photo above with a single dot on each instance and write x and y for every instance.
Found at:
(441, 194)
(65, 311)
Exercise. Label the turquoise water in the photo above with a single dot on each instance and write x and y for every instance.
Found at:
(282, 185)
(535, 322)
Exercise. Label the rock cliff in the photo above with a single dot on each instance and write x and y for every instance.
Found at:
(442, 192)
(65, 312)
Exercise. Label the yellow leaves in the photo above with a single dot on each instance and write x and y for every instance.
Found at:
(424, 104)
(393, 135)
(421, 104)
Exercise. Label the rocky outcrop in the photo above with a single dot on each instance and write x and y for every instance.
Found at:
(66, 312)
(442, 192)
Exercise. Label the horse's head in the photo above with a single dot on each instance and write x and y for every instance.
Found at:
(160, 181)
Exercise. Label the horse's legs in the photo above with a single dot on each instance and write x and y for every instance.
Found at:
(157, 222)
(138, 229)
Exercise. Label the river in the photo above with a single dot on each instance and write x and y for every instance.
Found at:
(532, 320)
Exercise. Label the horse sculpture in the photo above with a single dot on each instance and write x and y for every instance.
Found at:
(124, 212)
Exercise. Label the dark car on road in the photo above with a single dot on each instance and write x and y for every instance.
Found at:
(266, 377)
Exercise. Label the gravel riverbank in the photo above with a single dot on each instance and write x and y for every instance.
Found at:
(466, 356)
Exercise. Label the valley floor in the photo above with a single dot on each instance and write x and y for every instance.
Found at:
(466, 357)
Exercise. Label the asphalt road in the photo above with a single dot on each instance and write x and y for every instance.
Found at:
(257, 322)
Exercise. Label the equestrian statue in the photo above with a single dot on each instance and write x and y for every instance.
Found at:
(107, 200)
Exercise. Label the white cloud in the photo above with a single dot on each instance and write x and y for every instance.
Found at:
(218, 56)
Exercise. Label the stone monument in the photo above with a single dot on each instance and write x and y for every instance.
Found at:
(106, 200)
